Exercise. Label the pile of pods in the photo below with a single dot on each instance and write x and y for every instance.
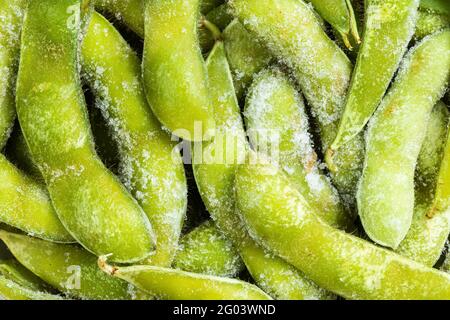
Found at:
(241, 149)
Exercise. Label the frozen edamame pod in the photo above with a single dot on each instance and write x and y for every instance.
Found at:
(429, 23)
(174, 71)
(388, 29)
(13, 270)
(11, 14)
(280, 219)
(148, 165)
(427, 236)
(215, 181)
(246, 56)
(277, 126)
(220, 16)
(339, 13)
(171, 284)
(91, 203)
(206, 250)
(394, 137)
(69, 268)
(439, 6)
(292, 33)
(130, 12)
(25, 204)
(11, 290)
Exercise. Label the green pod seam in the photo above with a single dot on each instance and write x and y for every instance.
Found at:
(149, 166)
(174, 284)
(11, 15)
(429, 23)
(280, 219)
(386, 191)
(389, 26)
(11, 290)
(174, 71)
(427, 236)
(68, 268)
(277, 126)
(340, 14)
(25, 204)
(91, 203)
(206, 250)
(246, 56)
(292, 33)
(215, 181)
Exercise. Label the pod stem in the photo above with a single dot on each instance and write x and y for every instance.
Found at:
(329, 160)
(211, 27)
(104, 266)
(353, 24)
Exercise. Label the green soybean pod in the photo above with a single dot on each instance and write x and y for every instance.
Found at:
(279, 218)
(206, 250)
(340, 14)
(171, 284)
(148, 165)
(13, 270)
(391, 23)
(386, 191)
(130, 12)
(220, 16)
(11, 14)
(215, 181)
(246, 56)
(439, 6)
(427, 236)
(429, 23)
(68, 268)
(277, 126)
(91, 203)
(441, 200)
(292, 33)
(11, 290)
(174, 71)
(25, 204)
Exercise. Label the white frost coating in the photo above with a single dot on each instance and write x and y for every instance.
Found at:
(278, 126)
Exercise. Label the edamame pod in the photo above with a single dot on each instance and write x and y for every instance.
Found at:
(171, 284)
(339, 13)
(11, 14)
(429, 23)
(427, 236)
(246, 56)
(130, 12)
(277, 126)
(69, 268)
(394, 138)
(205, 250)
(91, 203)
(388, 29)
(439, 6)
(280, 219)
(292, 33)
(25, 204)
(174, 71)
(215, 181)
(11, 290)
(220, 16)
(148, 165)
(442, 197)
(13, 270)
